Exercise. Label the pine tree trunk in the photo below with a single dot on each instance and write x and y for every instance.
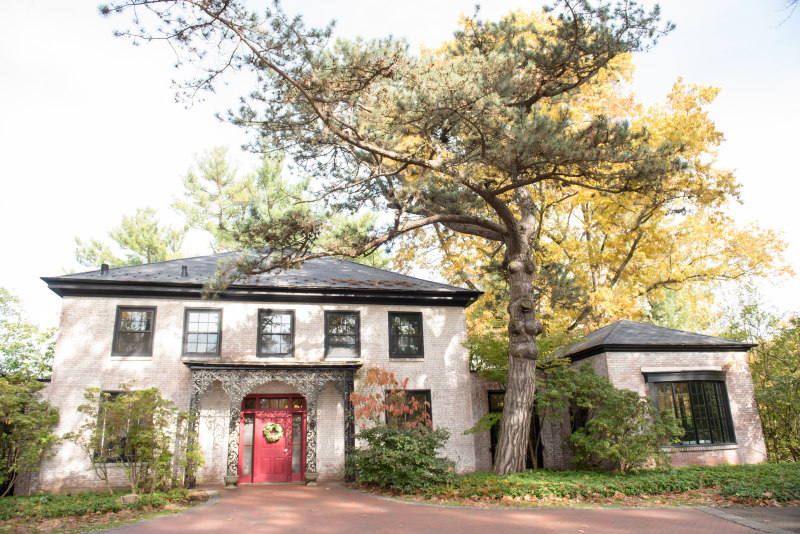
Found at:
(522, 354)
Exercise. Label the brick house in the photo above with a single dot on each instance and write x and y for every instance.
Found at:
(285, 348)
(704, 380)
(290, 347)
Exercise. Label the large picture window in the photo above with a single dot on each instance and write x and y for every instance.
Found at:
(202, 332)
(405, 335)
(699, 401)
(133, 331)
(276, 333)
(342, 334)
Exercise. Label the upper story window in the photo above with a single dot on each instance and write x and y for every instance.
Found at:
(699, 401)
(276, 333)
(342, 334)
(133, 331)
(202, 332)
(405, 335)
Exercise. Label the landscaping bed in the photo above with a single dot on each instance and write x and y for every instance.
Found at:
(88, 511)
(758, 485)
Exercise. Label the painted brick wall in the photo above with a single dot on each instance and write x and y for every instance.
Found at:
(83, 358)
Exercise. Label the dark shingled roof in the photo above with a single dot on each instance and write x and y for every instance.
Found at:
(629, 336)
(314, 277)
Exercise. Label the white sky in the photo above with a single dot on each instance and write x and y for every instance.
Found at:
(89, 129)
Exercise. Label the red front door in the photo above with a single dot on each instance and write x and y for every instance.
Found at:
(272, 462)
(262, 460)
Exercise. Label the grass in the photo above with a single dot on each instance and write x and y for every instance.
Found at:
(779, 483)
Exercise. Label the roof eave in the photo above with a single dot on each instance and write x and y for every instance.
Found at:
(721, 347)
(105, 288)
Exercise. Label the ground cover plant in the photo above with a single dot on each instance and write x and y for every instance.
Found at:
(770, 483)
(82, 510)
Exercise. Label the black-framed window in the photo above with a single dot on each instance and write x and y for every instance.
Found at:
(133, 331)
(423, 405)
(699, 401)
(405, 335)
(342, 334)
(276, 333)
(202, 332)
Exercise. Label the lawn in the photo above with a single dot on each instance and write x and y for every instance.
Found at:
(761, 484)
(87, 511)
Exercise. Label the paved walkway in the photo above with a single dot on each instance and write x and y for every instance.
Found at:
(290, 509)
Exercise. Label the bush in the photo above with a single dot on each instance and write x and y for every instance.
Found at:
(25, 422)
(137, 430)
(47, 506)
(611, 427)
(402, 458)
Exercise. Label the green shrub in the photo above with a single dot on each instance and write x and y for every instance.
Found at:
(48, 506)
(25, 422)
(401, 458)
(612, 427)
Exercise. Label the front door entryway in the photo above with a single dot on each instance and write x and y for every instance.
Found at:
(272, 439)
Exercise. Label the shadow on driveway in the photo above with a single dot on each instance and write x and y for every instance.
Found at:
(330, 508)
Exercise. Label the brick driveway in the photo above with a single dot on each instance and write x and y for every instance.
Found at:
(329, 508)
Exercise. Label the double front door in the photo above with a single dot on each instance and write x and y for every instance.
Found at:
(272, 439)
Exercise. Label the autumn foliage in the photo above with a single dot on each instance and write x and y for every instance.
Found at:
(387, 396)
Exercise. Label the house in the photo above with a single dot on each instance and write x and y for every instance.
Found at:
(704, 380)
(285, 348)
(289, 348)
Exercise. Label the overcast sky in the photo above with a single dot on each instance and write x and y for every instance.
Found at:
(89, 129)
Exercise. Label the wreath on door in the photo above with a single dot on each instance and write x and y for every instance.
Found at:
(273, 432)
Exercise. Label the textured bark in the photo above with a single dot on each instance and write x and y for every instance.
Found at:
(522, 354)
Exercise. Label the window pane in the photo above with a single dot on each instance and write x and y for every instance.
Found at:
(202, 331)
(496, 402)
(135, 321)
(297, 436)
(249, 424)
(279, 404)
(249, 404)
(684, 407)
(340, 323)
(297, 402)
(276, 333)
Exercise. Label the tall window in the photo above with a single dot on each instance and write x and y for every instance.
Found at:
(342, 334)
(421, 404)
(276, 333)
(202, 331)
(699, 401)
(133, 331)
(405, 335)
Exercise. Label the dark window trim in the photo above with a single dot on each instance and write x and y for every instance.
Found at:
(328, 314)
(421, 353)
(685, 376)
(186, 331)
(259, 349)
(695, 376)
(118, 318)
(428, 399)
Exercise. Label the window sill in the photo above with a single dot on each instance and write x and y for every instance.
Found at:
(700, 447)
(118, 358)
(406, 358)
